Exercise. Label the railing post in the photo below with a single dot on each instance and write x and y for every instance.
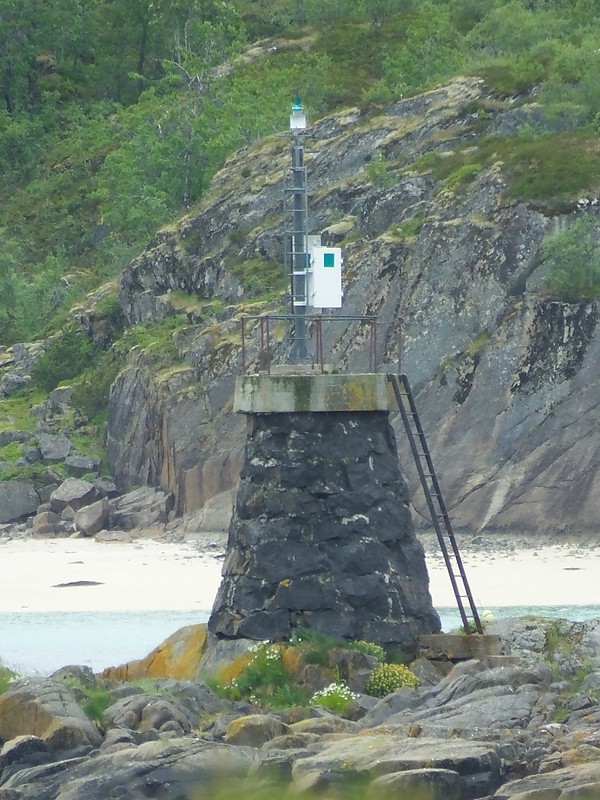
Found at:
(268, 347)
(243, 347)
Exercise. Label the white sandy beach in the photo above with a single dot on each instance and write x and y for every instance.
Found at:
(149, 575)
(141, 575)
(548, 575)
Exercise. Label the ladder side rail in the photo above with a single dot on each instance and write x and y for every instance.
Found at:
(429, 500)
(440, 498)
(434, 479)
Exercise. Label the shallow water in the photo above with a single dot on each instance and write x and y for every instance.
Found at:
(41, 642)
(450, 618)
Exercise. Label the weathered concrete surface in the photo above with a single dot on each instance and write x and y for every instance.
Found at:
(267, 394)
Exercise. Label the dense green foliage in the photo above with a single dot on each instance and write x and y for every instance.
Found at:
(66, 357)
(572, 256)
(114, 116)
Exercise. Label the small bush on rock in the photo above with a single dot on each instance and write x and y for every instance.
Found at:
(66, 357)
(386, 678)
(336, 697)
(369, 648)
(264, 680)
(7, 676)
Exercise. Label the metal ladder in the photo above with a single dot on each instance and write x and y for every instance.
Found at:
(435, 503)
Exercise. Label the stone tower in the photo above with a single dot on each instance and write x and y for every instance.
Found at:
(321, 535)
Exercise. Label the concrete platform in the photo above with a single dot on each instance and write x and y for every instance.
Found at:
(458, 646)
(320, 392)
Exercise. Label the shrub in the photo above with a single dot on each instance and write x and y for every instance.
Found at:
(377, 171)
(409, 228)
(66, 357)
(97, 703)
(93, 700)
(370, 648)
(264, 680)
(336, 697)
(462, 176)
(386, 678)
(7, 676)
(572, 256)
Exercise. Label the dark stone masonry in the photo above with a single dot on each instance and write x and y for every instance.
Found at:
(321, 535)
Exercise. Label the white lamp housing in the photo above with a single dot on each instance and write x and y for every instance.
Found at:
(298, 116)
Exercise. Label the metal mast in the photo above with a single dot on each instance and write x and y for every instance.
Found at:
(296, 251)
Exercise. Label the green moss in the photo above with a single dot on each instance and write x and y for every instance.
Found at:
(15, 411)
(11, 452)
(31, 472)
(301, 386)
(258, 276)
(409, 228)
(462, 176)
(478, 343)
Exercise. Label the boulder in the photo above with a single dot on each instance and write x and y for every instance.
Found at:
(174, 768)
(47, 523)
(324, 724)
(380, 754)
(426, 784)
(74, 493)
(32, 455)
(8, 437)
(177, 657)
(54, 448)
(142, 712)
(578, 781)
(473, 701)
(60, 397)
(46, 709)
(11, 383)
(255, 729)
(93, 518)
(78, 672)
(20, 749)
(141, 508)
(77, 466)
(17, 499)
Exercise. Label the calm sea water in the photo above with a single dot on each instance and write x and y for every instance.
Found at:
(450, 617)
(39, 643)
(36, 642)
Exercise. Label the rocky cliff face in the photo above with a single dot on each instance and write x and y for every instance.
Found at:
(505, 378)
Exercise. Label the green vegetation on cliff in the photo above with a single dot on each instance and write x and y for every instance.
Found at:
(115, 116)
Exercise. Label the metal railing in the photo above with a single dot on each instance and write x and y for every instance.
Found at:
(269, 349)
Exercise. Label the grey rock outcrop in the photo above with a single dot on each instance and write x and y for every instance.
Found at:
(48, 710)
(322, 536)
(480, 732)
